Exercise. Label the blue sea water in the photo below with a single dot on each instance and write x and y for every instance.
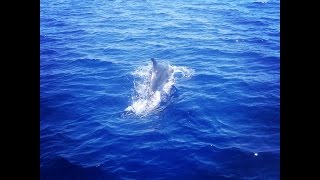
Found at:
(222, 122)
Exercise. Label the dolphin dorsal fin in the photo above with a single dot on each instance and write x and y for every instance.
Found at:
(154, 62)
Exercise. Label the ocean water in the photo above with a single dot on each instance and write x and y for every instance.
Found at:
(217, 116)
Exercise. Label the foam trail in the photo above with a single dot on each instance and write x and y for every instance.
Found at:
(146, 102)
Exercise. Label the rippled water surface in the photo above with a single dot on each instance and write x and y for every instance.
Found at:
(221, 121)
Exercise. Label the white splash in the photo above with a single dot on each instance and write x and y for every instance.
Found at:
(262, 1)
(144, 101)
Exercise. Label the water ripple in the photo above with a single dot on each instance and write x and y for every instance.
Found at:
(223, 123)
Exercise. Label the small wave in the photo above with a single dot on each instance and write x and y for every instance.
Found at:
(61, 168)
(146, 102)
(91, 62)
(262, 1)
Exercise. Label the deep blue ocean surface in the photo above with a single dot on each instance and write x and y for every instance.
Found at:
(221, 119)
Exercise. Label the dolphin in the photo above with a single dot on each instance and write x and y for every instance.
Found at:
(160, 74)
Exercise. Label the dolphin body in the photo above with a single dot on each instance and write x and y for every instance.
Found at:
(160, 74)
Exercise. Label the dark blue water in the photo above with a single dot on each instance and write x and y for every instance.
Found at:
(221, 123)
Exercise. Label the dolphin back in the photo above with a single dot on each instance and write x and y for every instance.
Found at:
(160, 75)
(154, 62)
